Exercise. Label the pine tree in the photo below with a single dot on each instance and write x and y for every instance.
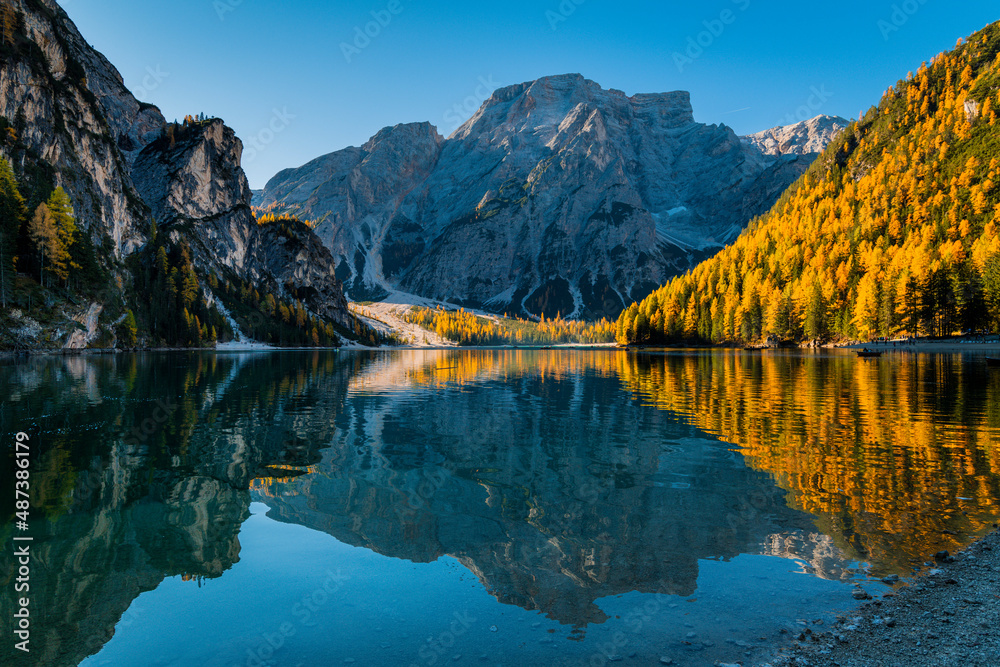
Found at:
(815, 321)
(991, 290)
(12, 214)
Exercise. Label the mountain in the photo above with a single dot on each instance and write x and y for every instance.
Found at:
(192, 180)
(68, 121)
(803, 138)
(892, 231)
(556, 196)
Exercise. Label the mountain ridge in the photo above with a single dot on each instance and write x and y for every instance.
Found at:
(69, 122)
(892, 232)
(556, 196)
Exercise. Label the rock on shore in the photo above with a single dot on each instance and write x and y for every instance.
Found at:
(950, 616)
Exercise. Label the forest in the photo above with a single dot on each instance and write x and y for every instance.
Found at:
(468, 329)
(892, 231)
(157, 299)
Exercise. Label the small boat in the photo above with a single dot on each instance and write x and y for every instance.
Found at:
(993, 362)
(869, 354)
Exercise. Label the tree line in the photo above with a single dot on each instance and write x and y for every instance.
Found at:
(468, 329)
(43, 244)
(893, 231)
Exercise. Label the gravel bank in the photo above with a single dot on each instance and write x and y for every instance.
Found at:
(948, 617)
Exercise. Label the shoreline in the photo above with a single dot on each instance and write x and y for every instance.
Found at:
(918, 347)
(927, 346)
(947, 615)
(98, 352)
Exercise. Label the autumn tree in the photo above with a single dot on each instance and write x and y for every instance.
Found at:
(45, 236)
(12, 214)
(991, 290)
(128, 330)
(888, 232)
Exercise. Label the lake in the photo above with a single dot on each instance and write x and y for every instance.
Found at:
(478, 507)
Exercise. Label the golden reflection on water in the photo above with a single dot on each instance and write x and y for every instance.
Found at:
(897, 458)
(432, 368)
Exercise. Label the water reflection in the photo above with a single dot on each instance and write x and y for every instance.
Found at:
(538, 474)
(558, 479)
(142, 473)
(897, 458)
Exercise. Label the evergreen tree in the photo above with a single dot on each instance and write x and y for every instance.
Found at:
(12, 215)
(815, 322)
(991, 290)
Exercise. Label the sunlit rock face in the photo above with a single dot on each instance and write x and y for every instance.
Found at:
(74, 118)
(74, 124)
(557, 196)
(192, 180)
(803, 138)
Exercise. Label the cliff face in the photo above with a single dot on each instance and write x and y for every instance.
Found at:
(557, 196)
(809, 136)
(75, 125)
(192, 180)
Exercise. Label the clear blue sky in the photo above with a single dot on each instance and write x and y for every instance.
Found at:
(761, 63)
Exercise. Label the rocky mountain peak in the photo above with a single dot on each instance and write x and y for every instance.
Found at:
(802, 138)
(557, 196)
(405, 133)
(543, 104)
(74, 124)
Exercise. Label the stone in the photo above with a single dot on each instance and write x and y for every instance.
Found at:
(197, 179)
(121, 170)
(556, 196)
(802, 138)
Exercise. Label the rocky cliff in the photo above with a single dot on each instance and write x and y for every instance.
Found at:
(74, 123)
(556, 196)
(192, 180)
(804, 138)
(68, 120)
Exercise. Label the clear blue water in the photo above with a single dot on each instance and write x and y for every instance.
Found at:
(478, 507)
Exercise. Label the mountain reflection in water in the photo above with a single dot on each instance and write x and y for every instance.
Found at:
(557, 478)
